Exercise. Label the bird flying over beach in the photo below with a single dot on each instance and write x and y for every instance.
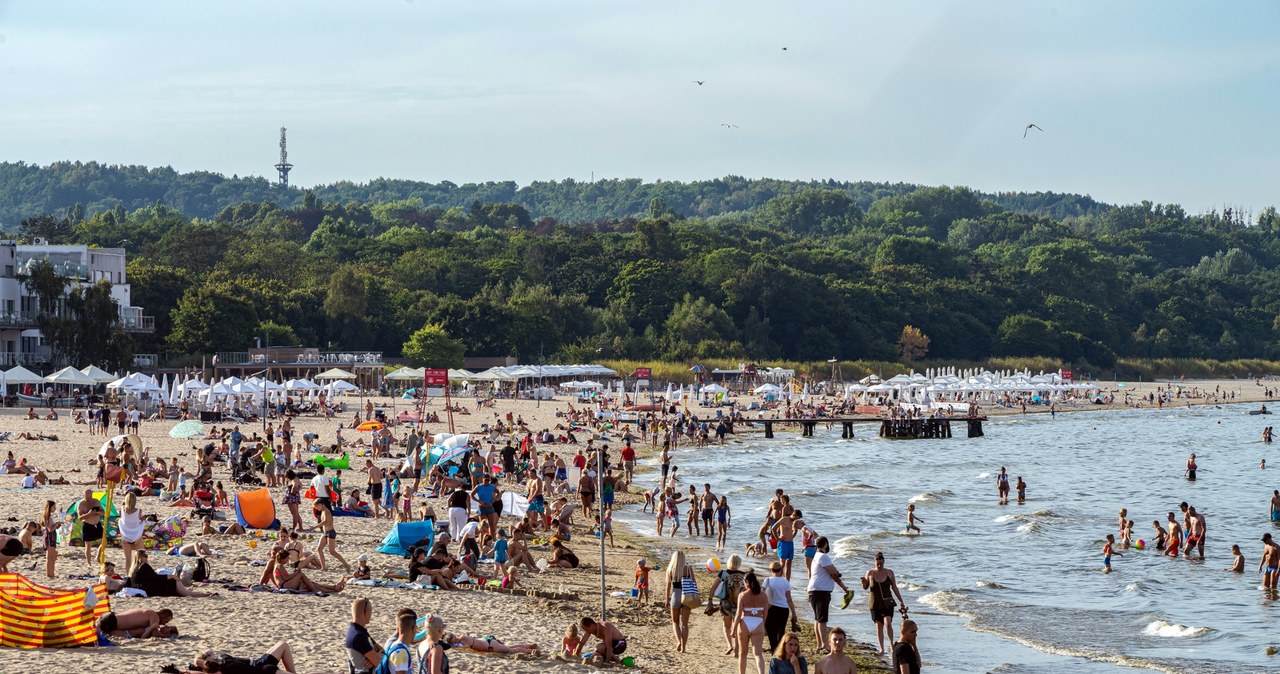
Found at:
(699, 82)
(730, 126)
(1029, 128)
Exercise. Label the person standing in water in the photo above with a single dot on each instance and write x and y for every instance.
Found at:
(1269, 565)
(911, 519)
(1275, 505)
(1002, 486)
(1191, 467)
(1022, 490)
(882, 587)
(1175, 537)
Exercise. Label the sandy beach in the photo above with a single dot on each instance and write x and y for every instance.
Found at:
(247, 623)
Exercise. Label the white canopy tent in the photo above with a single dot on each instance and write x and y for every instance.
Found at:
(335, 373)
(97, 374)
(70, 376)
(405, 374)
(21, 375)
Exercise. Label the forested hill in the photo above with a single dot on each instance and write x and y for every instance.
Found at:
(28, 189)
(732, 268)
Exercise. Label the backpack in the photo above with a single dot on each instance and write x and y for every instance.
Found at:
(201, 571)
(384, 666)
(730, 587)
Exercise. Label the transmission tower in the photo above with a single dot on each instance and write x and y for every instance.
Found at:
(284, 165)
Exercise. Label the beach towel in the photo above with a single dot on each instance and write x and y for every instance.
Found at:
(35, 616)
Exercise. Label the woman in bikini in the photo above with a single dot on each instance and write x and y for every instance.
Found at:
(748, 624)
(489, 644)
(50, 528)
(298, 580)
(293, 498)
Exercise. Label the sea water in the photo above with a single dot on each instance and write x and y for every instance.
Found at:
(1019, 587)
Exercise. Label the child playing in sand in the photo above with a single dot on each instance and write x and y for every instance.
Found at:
(1107, 552)
(569, 646)
(911, 519)
(642, 581)
(222, 496)
(362, 571)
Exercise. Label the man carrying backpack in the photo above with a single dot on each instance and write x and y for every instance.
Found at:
(727, 587)
(399, 656)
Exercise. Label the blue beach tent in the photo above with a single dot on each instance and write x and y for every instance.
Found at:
(405, 534)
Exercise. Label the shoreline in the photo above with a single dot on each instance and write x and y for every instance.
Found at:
(225, 622)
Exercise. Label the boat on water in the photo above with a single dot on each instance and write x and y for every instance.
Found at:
(1261, 410)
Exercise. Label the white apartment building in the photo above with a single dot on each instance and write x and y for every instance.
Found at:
(20, 339)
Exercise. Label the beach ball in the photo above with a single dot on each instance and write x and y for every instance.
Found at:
(1140, 544)
(713, 565)
(253, 544)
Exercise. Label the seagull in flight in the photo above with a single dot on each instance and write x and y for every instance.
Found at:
(699, 82)
(784, 49)
(730, 126)
(1029, 128)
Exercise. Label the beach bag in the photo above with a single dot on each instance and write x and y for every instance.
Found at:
(112, 473)
(689, 590)
(384, 666)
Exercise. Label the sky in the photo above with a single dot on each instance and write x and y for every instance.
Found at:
(1170, 101)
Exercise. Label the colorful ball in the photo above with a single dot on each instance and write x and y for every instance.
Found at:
(1140, 544)
(252, 544)
(713, 565)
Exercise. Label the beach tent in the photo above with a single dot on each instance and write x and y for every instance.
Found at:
(404, 374)
(97, 374)
(714, 388)
(256, 510)
(35, 616)
(405, 534)
(21, 375)
(767, 389)
(71, 376)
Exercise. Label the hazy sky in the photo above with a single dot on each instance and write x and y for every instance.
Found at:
(1168, 101)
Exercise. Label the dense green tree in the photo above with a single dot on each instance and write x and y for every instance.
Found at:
(431, 346)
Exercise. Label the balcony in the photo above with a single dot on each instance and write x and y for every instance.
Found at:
(27, 319)
(301, 356)
(18, 319)
(138, 323)
(146, 360)
(8, 359)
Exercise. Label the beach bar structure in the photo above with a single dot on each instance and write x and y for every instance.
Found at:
(283, 363)
(893, 429)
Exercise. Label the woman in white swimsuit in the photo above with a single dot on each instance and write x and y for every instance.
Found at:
(748, 624)
(131, 529)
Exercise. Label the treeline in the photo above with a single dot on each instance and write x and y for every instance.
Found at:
(75, 187)
(804, 276)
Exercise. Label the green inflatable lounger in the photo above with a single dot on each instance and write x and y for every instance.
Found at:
(256, 510)
(337, 463)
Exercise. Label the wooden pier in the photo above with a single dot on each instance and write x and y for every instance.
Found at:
(893, 429)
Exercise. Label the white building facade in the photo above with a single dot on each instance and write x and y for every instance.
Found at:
(20, 340)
